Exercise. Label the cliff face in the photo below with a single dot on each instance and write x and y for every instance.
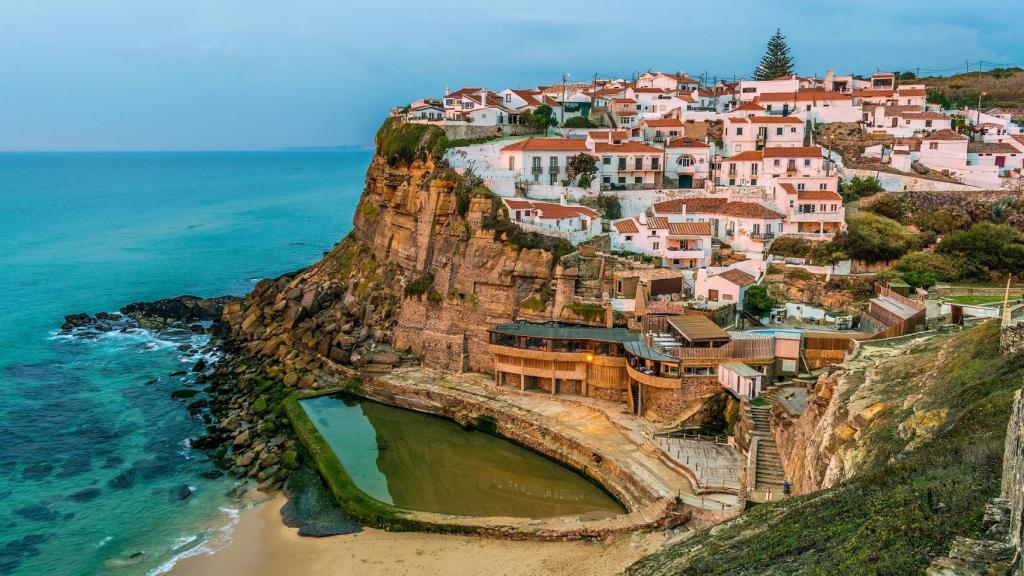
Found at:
(423, 270)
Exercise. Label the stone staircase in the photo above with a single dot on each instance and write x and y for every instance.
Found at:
(769, 463)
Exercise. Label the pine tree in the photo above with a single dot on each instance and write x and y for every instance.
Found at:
(777, 61)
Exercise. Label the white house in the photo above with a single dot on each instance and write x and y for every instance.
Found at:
(679, 244)
(687, 162)
(812, 214)
(1004, 156)
(729, 285)
(541, 160)
(739, 379)
(743, 133)
(576, 223)
(677, 81)
(629, 165)
(812, 103)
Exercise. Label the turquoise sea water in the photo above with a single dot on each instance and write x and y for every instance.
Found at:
(93, 455)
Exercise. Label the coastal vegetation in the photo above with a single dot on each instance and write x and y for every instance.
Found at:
(929, 470)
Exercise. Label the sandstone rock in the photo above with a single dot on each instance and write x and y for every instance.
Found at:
(269, 460)
(307, 381)
(291, 379)
(389, 358)
(242, 438)
(245, 459)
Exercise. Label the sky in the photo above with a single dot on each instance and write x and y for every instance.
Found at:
(261, 74)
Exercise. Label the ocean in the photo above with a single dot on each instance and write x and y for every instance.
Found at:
(94, 463)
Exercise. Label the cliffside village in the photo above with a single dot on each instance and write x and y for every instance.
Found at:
(707, 178)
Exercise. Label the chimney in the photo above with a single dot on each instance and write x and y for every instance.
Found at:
(447, 91)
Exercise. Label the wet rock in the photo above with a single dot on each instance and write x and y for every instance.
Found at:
(269, 460)
(242, 438)
(230, 423)
(245, 459)
(37, 513)
(182, 492)
(152, 380)
(112, 317)
(177, 373)
(183, 393)
(37, 471)
(77, 320)
(237, 492)
(122, 480)
(212, 474)
(185, 348)
(198, 405)
(199, 366)
(85, 495)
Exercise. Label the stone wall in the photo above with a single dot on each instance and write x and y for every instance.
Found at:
(465, 131)
(1011, 339)
(682, 406)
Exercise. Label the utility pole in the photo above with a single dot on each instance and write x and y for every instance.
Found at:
(562, 107)
(978, 116)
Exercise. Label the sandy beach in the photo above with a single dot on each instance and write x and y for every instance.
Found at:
(262, 545)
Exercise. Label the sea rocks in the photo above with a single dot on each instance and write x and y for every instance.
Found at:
(77, 321)
(178, 310)
(183, 393)
(85, 495)
(180, 493)
(37, 471)
(37, 513)
(123, 480)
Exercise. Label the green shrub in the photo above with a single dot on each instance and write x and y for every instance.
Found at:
(259, 406)
(889, 205)
(533, 303)
(420, 286)
(859, 187)
(791, 247)
(947, 268)
(578, 122)
(874, 238)
(590, 312)
(402, 143)
(757, 301)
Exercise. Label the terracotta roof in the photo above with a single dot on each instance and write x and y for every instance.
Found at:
(625, 148)
(651, 90)
(605, 134)
(766, 119)
(944, 134)
(789, 188)
(686, 142)
(463, 92)
(802, 96)
(693, 205)
(749, 210)
(793, 152)
(872, 93)
(911, 91)
(657, 223)
(991, 148)
(627, 226)
(666, 307)
(623, 101)
(548, 145)
(550, 210)
(750, 107)
(737, 277)
(527, 96)
(689, 229)
(664, 123)
(749, 155)
(818, 195)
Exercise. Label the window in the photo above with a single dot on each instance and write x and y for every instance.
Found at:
(732, 181)
(618, 283)
(606, 179)
(732, 169)
(807, 162)
(508, 97)
(638, 163)
(629, 238)
(753, 169)
(768, 108)
(638, 180)
(699, 370)
(737, 148)
(622, 179)
(776, 163)
(933, 145)
(511, 162)
(927, 123)
(536, 163)
(739, 131)
(606, 160)
(800, 186)
(727, 297)
(791, 165)
(823, 186)
(622, 163)
(792, 130)
(654, 163)
(685, 161)
(655, 245)
(553, 162)
(806, 209)
(778, 131)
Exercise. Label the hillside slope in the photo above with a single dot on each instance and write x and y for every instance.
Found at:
(911, 498)
(1003, 87)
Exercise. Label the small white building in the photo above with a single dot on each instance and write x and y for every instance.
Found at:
(575, 223)
(687, 162)
(740, 380)
(729, 285)
(541, 160)
(744, 133)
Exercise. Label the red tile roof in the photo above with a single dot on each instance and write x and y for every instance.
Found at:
(692, 205)
(945, 134)
(750, 107)
(737, 277)
(625, 148)
(749, 210)
(749, 155)
(548, 145)
(911, 91)
(627, 226)
(657, 223)
(794, 152)
(818, 195)
(551, 211)
(872, 93)
(991, 148)
(687, 142)
(664, 123)
(925, 116)
(766, 119)
(803, 96)
(689, 229)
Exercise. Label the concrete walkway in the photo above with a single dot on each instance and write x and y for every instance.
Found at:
(621, 435)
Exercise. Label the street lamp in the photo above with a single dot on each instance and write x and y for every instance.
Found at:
(980, 96)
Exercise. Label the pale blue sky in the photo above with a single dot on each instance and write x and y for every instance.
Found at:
(258, 74)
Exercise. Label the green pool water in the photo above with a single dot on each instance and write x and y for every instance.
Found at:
(422, 462)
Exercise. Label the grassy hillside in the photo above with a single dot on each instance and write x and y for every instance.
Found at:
(1004, 88)
(903, 511)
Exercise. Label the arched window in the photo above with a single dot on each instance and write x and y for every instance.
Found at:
(685, 160)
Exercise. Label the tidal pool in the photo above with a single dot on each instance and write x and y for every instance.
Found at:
(422, 462)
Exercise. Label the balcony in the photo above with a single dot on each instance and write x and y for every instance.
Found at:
(653, 380)
(730, 232)
(536, 169)
(685, 254)
(554, 169)
(762, 236)
(816, 217)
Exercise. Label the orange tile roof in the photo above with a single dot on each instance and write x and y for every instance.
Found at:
(625, 148)
(911, 91)
(657, 223)
(548, 145)
(750, 107)
(872, 93)
(794, 152)
(789, 188)
(748, 156)
(749, 210)
(692, 205)
(551, 211)
(627, 226)
(818, 195)
(527, 96)
(766, 119)
(802, 96)
(925, 116)
(689, 229)
(664, 123)
(944, 134)
(687, 142)
(737, 277)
